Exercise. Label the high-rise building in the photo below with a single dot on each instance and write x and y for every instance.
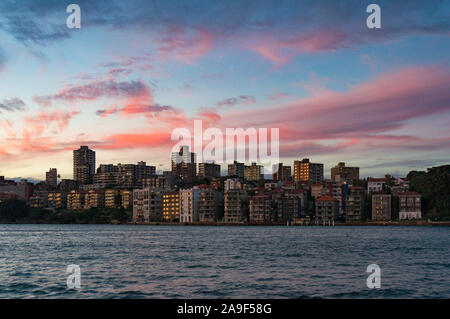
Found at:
(171, 206)
(281, 172)
(51, 178)
(183, 164)
(381, 207)
(346, 173)
(253, 172)
(307, 172)
(209, 170)
(236, 169)
(84, 165)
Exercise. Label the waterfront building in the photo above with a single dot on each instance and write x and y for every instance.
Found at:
(381, 207)
(57, 200)
(171, 206)
(235, 206)
(189, 204)
(76, 200)
(210, 204)
(112, 198)
(260, 208)
(307, 172)
(126, 198)
(327, 209)
(354, 204)
(94, 199)
(147, 205)
(410, 205)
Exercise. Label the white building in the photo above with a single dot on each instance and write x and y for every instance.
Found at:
(375, 185)
(189, 204)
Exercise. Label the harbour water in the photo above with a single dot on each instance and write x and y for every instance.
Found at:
(132, 261)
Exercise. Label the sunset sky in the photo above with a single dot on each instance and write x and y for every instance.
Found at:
(338, 91)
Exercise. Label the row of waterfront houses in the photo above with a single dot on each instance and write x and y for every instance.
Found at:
(245, 196)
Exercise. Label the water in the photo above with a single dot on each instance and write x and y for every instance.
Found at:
(127, 261)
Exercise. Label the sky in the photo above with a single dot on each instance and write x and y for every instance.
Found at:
(136, 70)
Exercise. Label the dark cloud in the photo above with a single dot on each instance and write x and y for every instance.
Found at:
(12, 105)
(243, 99)
(94, 90)
(140, 109)
(44, 21)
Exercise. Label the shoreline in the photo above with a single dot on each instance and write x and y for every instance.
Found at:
(218, 224)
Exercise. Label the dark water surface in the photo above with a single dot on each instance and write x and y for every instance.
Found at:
(127, 261)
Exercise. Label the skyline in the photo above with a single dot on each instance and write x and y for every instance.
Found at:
(376, 99)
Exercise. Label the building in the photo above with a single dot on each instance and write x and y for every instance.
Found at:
(235, 206)
(165, 181)
(183, 165)
(381, 207)
(147, 205)
(410, 205)
(210, 207)
(51, 178)
(126, 198)
(375, 185)
(236, 169)
(94, 199)
(318, 190)
(57, 200)
(260, 208)
(123, 175)
(354, 204)
(233, 183)
(189, 203)
(39, 199)
(345, 173)
(84, 165)
(208, 170)
(293, 204)
(76, 200)
(307, 172)
(112, 198)
(281, 172)
(68, 185)
(171, 206)
(253, 172)
(327, 209)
